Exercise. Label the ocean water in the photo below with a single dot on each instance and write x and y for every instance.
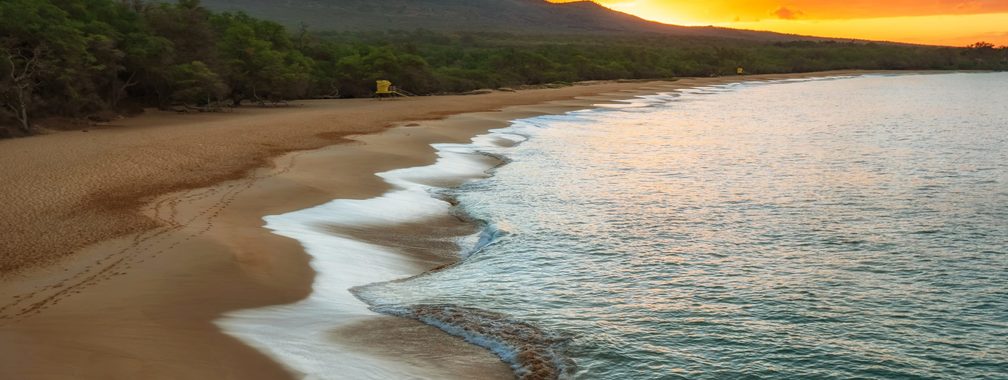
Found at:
(832, 228)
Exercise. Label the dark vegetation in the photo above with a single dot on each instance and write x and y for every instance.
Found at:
(431, 62)
(97, 58)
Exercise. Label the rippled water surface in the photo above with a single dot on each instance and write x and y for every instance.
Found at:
(836, 228)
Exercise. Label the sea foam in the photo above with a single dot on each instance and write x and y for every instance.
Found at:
(297, 334)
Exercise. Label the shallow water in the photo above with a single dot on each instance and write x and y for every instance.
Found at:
(831, 228)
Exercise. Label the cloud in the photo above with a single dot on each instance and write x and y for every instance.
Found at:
(786, 13)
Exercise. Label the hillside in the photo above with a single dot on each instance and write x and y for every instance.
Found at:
(514, 16)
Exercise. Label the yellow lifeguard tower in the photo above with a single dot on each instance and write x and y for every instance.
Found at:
(740, 70)
(384, 89)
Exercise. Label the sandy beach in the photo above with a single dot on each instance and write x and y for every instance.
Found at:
(123, 244)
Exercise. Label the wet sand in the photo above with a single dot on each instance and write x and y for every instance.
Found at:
(123, 244)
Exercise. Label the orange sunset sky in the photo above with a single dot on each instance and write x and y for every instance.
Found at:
(935, 22)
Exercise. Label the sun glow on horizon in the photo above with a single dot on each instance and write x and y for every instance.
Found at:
(941, 22)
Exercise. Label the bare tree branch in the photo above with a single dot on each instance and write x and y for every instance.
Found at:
(23, 70)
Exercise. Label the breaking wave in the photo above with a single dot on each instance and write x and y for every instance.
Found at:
(533, 354)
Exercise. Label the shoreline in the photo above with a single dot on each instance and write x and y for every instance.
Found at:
(137, 304)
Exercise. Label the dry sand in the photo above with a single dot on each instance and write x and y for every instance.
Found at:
(122, 244)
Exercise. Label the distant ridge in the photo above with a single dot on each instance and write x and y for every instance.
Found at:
(513, 16)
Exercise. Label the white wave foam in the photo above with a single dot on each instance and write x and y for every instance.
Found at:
(298, 335)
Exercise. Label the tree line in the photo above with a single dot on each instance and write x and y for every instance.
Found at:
(89, 58)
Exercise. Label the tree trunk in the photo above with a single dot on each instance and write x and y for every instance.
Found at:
(236, 99)
(19, 108)
(119, 92)
(23, 118)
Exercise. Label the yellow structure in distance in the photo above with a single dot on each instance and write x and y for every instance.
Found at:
(384, 87)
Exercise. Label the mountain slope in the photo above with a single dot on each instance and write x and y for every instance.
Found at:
(515, 16)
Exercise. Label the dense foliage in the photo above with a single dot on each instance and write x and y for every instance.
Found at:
(79, 58)
(431, 62)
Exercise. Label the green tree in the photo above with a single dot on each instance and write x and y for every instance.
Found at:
(261, 63)
(42, 51)
(196, 83)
